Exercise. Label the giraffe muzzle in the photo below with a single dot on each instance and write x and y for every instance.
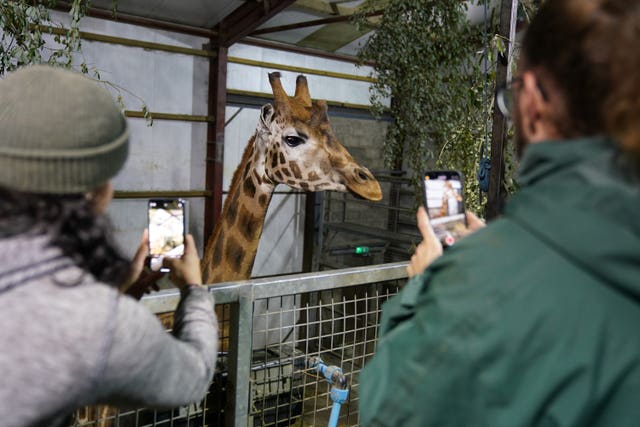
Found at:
(364, 185)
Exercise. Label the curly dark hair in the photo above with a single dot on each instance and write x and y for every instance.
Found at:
(590, 49)
(69, 219)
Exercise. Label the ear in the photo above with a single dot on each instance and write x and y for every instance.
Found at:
(100, 197)
(536, 112)
(319, 114)
(267, 114)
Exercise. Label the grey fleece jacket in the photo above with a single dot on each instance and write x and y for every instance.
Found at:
(67, 341)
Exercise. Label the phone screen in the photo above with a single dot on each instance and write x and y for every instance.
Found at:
(166, 230)
(444, 200)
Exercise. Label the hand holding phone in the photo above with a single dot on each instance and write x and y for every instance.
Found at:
(185, 271)
(428, 250)
(166, 231)
(444, 201)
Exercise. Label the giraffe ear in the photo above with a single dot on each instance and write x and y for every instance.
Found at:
(267, 114)
(320, 113)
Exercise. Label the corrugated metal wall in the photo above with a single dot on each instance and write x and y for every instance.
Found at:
(170, 154)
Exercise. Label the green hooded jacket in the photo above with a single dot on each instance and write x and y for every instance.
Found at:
(531, 321)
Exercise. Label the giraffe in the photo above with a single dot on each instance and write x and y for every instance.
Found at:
(294, 144)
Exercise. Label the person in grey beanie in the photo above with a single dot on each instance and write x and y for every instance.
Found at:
(70, 335)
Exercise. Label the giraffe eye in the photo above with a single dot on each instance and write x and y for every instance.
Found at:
(293, 141)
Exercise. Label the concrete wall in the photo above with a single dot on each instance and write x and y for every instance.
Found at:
(364, 138)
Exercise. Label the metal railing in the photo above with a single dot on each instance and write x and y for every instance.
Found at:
(269, 331)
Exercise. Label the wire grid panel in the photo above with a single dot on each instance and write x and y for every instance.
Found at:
(103, 416)
(207, 412)
(269, 329)
(339, 325)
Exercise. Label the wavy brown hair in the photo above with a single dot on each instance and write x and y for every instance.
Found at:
(590, 49)
(73, 227)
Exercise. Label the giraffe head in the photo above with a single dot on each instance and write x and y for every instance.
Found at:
(302, 151)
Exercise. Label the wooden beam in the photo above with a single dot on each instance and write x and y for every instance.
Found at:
(246, 18)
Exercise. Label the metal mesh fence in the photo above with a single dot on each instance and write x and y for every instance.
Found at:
(340, 326)
(269, 330)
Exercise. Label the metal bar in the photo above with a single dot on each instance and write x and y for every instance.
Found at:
(231, 292)
(513, 24)
(324, 280)
(313, 23)
(240, 351)
(303, 70)
(317, 255)
(163, 301)
(130, 42)
(233, 116)
(159, 194)
(246, 18)
(267, 97)
(208, 33)
(496, 193)
(169, 116)
(215, 139)
(95, 12)
(308, 244)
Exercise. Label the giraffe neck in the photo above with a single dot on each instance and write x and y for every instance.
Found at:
(231, 250)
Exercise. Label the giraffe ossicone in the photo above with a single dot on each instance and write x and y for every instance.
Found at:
(294, 144)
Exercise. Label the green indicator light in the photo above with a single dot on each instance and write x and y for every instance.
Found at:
(362, 250)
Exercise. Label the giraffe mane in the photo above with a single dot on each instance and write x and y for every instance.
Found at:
(235, 180)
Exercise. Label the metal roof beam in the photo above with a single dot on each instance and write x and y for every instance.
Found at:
(322, 7)
(313, 23)
(246, 18)
(268, 44)
(140, 21)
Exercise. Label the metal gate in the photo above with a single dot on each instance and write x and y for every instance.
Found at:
(269, 330)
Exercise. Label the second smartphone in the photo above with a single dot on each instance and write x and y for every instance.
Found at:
(166, 222)
(444, 201)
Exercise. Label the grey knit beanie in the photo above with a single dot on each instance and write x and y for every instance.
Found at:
(60, 132)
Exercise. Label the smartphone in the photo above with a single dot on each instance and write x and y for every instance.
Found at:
(444, 201)
(166, 230)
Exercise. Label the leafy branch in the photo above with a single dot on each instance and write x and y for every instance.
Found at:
(428, 59)
(439, 72)
(25, 26)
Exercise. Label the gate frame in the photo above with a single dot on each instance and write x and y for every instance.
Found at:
(241, 296)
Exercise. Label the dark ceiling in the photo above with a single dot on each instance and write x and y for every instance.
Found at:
(314, 24)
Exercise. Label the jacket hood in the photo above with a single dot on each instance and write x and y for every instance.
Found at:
(582, 198)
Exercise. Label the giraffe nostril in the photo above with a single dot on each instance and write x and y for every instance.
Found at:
(363, 176)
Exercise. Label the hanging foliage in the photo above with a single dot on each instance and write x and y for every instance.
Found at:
(439, 73)
(29, 35)
(24, 26)
(428, 61)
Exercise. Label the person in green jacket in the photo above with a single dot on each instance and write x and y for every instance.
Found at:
(534, 320)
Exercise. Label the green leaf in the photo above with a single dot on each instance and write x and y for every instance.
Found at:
(431, 62)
